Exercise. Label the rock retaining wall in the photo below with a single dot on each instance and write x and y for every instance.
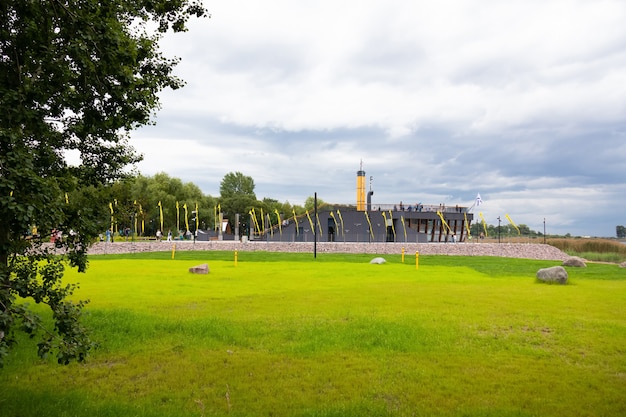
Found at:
(507, 250)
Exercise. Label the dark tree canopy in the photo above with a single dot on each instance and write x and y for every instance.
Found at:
(237, 194)
(75, 76)
(235, 184)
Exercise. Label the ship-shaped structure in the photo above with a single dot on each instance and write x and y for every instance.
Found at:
(367, 222)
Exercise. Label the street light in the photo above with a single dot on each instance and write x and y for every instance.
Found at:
(498, 229)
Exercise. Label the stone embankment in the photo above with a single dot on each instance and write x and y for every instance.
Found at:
(507, 250)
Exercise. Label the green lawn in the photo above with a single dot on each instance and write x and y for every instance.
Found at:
(289, 335)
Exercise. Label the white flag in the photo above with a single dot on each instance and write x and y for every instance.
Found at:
(479, 200)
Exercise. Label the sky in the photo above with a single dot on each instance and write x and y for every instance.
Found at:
(520, 101)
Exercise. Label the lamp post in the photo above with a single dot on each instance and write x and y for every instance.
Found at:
(314, 229)
(498, 229)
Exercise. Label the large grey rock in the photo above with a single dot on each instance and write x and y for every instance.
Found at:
(555, 274)
(200, 269)
(575, 261)
(378, 261)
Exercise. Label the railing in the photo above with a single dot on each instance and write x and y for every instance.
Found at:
(420, 208)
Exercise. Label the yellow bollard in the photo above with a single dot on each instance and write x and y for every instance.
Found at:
(402, 255)
(417, 260)
(173, 250)
(235, 258)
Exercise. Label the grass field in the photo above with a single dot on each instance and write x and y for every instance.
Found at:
(287, 335)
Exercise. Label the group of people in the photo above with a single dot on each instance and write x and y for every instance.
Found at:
(159, 235)
(417, 207)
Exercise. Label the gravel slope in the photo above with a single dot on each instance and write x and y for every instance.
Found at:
(507, 250)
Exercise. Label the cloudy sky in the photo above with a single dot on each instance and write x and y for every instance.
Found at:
(522, 101)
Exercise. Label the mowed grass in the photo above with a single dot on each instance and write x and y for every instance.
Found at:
(289, 335)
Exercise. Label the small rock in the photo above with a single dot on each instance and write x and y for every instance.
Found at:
(555, 274)
(378, 261)
(200, 269)
(575, 261)
(622, 265)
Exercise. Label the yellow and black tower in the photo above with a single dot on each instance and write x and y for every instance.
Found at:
(360, 189)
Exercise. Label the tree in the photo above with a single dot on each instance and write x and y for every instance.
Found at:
(237, 194)
(309, 203)
(235, 184)
(620, 231)
(149, 191)
(75, 77)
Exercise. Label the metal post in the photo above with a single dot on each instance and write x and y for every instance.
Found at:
(498, 229)
(315, 230)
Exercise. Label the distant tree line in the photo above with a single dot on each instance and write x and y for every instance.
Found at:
(620, 232)
(504, 229)
(136, 204)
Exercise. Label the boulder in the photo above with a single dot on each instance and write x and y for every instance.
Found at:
(622, 265)
(575, 261)
(555, 274)
(200, 269)
(378, 261)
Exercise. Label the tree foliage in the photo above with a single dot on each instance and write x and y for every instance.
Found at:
(237, 194)
(75, 77)
(149, 191)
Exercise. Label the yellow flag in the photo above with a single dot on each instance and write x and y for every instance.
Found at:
(177, 218)
(143, 224)
(197, 217)
(186, 217)
(484, 222)
(255, 221)
(393, 228)
(443, 221)
(310, 221)
(370, 224)
(161, 215)
(280, 226)
(319, 226)
(112, 218)
(513, 224)
(270, 226)
(67, 200)
(295, 220)
(341, 220)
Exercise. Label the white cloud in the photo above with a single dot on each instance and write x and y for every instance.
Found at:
(439, 99)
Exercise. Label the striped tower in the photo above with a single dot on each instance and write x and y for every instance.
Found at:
(360, 189)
